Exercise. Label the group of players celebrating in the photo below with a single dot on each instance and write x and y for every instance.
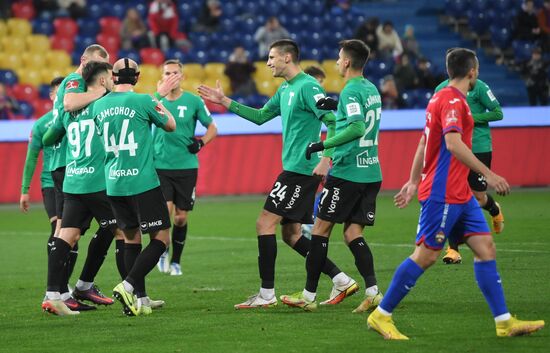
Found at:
(107, 164)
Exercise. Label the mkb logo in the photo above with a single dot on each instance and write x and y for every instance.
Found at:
(364, 161)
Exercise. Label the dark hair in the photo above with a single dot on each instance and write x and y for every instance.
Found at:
(56, 81)
(357, 51)
(173, 62)
(91, 49)
(315, 71)
(287, 46)
(93, 69)
(459, 62)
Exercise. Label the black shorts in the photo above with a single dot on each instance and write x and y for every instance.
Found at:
(477, 181)
(58, 176)
(178, 186)
(147, 210)
(48, 198)
(80, 209)
(292, 197)
(346, 201)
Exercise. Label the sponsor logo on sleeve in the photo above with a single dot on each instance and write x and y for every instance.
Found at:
(353, 109)
(491, 96)
(318, 96)
(73, 84)
(451, 117)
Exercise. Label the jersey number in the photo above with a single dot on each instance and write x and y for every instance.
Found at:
(370, 120)
(111, 144)
(279, 191)
(73, 136)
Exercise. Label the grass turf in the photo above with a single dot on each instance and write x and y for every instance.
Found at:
(445, 312)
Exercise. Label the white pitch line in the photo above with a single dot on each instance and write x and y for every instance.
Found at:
(253, 239)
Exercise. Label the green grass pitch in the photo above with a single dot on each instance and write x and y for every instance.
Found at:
(444, 313)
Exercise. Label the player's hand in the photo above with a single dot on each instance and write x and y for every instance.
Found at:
(195, 146)
(405, 195)
(327, 103)
(24, 203)
(322, 168)
(312, 148)
(214, 95)
(498, 183)
(167, 84)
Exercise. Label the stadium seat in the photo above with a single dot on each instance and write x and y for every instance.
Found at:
(23, 9)
(40, 26)
(478, 5)
(33, 60)
(111, 43)
(149, 72)
(501, 5)
(501, 36)
(44, 91)
(478, 21)
(130, 54)
(214, 70)
(47, 75)
(115, 9)
(26, 109)
(3, 29)
(522, 49)
(330, 68)
(10, 61)
(18, 27)
(176, 54)
(423, 97)
(62, 43)
(306, 63)
(193, 71)
(190, 85)
(456, 8)
(267, 87)
(110, 25)
(41, 106)
(9, 45)
(58, 59)
(224, 82)
(145, 87)
(88, 27)
(95, 11)
(82, 42)
(333, 84)
(316, 8)
(24, 91)
(8, 77)
(151, 56)
(409, 99)
(38, 43)
(65, 27)
(201, 41)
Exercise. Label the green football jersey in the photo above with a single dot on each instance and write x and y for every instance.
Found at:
(171, 147)
(73, 83)
(85, 155)
(38, 130)
(301, 119)
(124, 119)
(357, 160)
(480, 100)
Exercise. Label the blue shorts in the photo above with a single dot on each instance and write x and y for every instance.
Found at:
(439, 221)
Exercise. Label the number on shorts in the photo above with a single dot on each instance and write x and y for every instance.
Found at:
(279, 191)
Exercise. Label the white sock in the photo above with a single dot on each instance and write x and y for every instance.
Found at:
(503, 317)
(383, 312)
(371, 291)
(309, 296)
(128, 287)
(81, 285)
(267, 293)
(341, 279)
(53, 296)
(65, 296)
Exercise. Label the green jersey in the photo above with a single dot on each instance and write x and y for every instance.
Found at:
(124, 119)
(73, 83)
(171, 147)
(480, 100)
(301, 119)
(38, 130)
(357, 160)
(85, 156)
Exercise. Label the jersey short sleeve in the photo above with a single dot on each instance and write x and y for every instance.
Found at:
(311, 93)
(203, 114)
(452, 114)
(352, 106)
(486, 96)
(153, 110)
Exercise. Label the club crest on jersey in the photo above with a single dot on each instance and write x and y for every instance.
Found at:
(440, 237)
(451, 117)
(159, 110)
(73, 84)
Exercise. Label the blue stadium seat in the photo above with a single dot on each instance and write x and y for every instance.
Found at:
(42, 26)
(8, 77)
(95, 11)
(175, 53)
(423, 96)
(522, 50)
(409, 98)
(316, 23)
(75, 58)
(249, 25)
(336, 24)
(456, 8)
(44, 91)
(130, 54)
(115, 9)
(47, 15)
(88, 27)
(501, 36)
(294, 8)
(272, 8)
(217, 55)
(83, 41)
(294, 24)
(478, 21)
(478, 5)
(501, 5)
(315, 8)
(229, 10)
(228, 25)
(26, 109)
(202, 57)
(142, 8)
(201, 41)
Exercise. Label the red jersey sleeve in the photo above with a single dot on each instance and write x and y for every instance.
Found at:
(452, 115)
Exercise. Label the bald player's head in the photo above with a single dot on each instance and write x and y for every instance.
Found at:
(125, 71)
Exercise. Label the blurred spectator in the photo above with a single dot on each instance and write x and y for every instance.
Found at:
(426, 78)
(405, 74)
(269, 33)
(543, 17)
(367, 33)
(343, 7)
(526, 23)
(409, 43)
(5, 10)
(8, 105)
(209, 20)
(133, 31)
(391, 99)
(389, 43)
(239, 69)
(536, 78)
(44, 5)
(163, 21)
(75, 8)
(316, 72)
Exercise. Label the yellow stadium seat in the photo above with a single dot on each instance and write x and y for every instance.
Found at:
(11, 61)
(33, 60)
(190, 85)
(3, 29)
(214, 70)
(38, 43)
(330, 67)
(49, 74)
(262, 72)
(30, 76)
(306, 63)
(224, 82)
(12, 45)
(19, 27)
(58, 59)
(150, 73)
(334, 85)
(145, 87)
(267, 87)
(193, 71)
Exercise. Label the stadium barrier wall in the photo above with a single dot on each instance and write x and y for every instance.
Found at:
(243, 163)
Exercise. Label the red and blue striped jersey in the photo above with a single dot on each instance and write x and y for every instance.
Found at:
(444, 178)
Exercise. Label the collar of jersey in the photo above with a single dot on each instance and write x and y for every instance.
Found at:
(297, 77)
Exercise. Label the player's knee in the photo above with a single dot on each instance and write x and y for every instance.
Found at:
(180, 219)
(487, 252)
